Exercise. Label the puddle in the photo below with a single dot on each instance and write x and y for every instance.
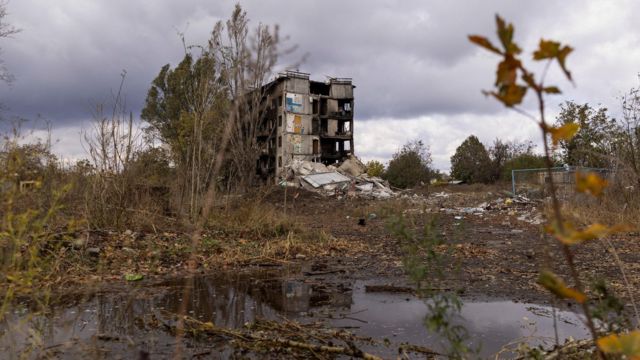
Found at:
(490, 324)
(124, 324)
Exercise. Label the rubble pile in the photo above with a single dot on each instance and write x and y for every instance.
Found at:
(348, 178)
(524, 208)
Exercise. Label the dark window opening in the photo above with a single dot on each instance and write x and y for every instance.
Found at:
(323, 107)
(279, 141)
(279, 120)
(279, 161)
(319, 88)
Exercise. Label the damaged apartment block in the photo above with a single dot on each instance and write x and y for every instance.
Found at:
(304, 120)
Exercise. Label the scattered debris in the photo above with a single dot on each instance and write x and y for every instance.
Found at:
(352, 166)
(330, 179)
(348, 178)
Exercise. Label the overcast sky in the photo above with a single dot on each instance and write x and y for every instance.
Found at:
(417, 76)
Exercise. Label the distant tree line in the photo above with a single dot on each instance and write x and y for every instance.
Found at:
(475, 163)
(601, 142)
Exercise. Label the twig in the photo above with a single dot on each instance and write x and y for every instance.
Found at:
(338, 350)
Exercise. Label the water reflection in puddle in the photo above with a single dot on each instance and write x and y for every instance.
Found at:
(491, 323)
(122, 324)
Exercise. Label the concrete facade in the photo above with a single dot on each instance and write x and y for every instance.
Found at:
(305, 120)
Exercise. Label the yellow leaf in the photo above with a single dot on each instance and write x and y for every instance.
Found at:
(529, 79)
(570, 236)
(505, 34)
(590, 183)
(547, 49)
(484, 42)
(621, 344)
(555, 285)
(507, 71)
(552, 90)
(562, 56)
(509, 95)
(564, 132)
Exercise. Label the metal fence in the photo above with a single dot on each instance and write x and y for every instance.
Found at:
(533, 182)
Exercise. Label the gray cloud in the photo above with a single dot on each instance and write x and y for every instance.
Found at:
(409, 59)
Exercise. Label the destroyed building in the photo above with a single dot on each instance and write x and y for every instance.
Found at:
(304, 120)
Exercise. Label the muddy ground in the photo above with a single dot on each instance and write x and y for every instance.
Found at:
(496, 251)
(492, 245)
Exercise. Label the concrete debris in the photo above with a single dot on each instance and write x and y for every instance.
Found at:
(519, 207)
(307, 167)
(326, 179)
(352, 166)
(346, 179)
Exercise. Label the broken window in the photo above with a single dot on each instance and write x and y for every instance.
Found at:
(279, 101)
(279, 120)
(279, 161)
(344, 106)
(279, 141)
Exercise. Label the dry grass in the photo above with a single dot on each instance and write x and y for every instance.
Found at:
(243, 232)
(617, 206)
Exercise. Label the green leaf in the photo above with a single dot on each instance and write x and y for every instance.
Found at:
(133, 277)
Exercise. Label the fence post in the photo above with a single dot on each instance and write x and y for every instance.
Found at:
(513, 182)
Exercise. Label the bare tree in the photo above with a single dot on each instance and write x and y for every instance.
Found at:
(111, 144)
(247, 61)
(630, 134)
(6, 30)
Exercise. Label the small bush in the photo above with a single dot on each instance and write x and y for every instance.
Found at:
(375, 168)
(410, 166)
(471, 162)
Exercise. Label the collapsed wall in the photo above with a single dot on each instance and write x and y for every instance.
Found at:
(348, 178)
